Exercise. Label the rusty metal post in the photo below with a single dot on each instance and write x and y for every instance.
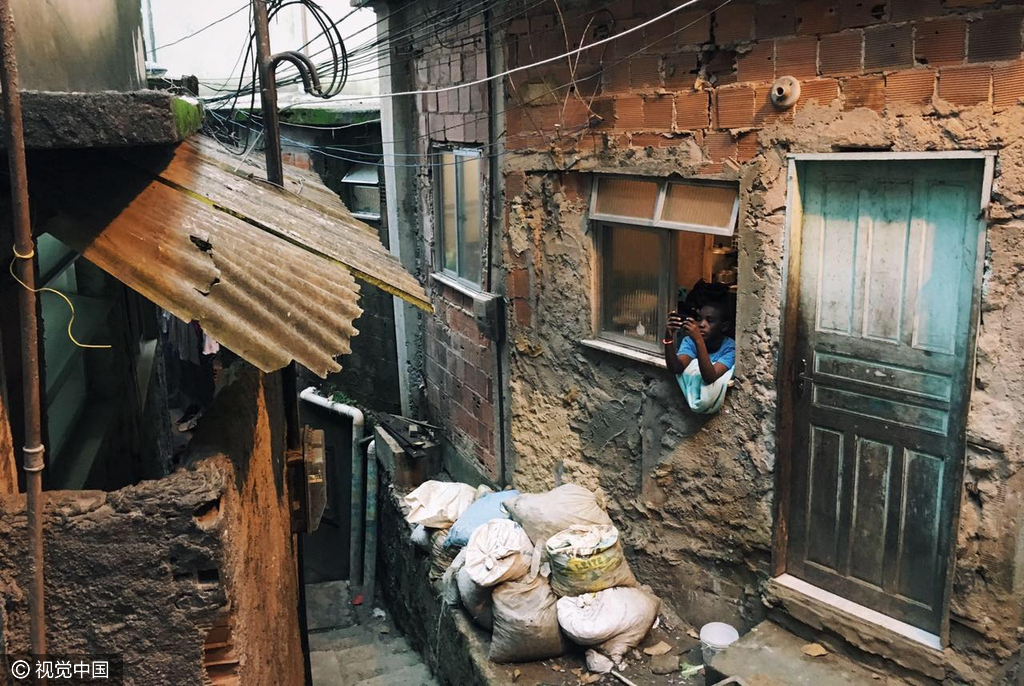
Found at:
(25, 252)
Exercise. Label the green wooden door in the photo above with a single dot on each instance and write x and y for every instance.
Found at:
(886, 279)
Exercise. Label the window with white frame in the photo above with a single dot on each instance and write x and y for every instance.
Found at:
(656, 240)
(459, 201)
(361, 186)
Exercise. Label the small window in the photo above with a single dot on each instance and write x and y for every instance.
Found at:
(460, 213)
(648, 262)
(362, 192)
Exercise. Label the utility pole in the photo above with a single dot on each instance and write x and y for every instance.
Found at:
(24, 252)
(268, 93)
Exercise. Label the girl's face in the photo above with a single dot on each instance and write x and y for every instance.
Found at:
(711, 324)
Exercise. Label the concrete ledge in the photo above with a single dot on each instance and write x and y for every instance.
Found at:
(106, 120)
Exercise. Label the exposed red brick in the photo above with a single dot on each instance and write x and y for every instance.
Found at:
(523, 312)
(692, 110)
(719, 145)
(773, 21)
(680, 70)
(694, 28)
(1008, 84)
(888, 47)
(629, 113)
(721, 67)
(758, 64)
(605, 109)
(615, 78)
(644, 140)
(734, 23)
(994, 37)
(797, 57)
(913, 87)
(747, 146)
(968, 4)
(904, 10)
(965, 85)
(840, 54)
(866, 91)
(822, 91)
(515, 184)
(860, 12)
(518, 283)
(734, 107)
(644, 72)
(940, 42)
(659, 37)
(816, 17)
(767, 113)
(658, 113)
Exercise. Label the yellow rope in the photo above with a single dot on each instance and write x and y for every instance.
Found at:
(24, 285)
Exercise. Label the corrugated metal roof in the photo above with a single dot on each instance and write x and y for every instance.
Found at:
(268, 273)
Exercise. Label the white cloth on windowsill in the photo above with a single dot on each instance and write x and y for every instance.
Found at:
(701, 397)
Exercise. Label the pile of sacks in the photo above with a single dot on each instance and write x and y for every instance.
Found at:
(534, 569)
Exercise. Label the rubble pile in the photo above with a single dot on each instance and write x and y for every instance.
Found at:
(538, 570)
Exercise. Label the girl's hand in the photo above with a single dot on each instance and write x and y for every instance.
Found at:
(692, 329)
(674, 324)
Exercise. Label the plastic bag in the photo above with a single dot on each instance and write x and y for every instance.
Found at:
(615, 619)
(525, 621)
(498, 551)
(421, 538)
(440, 557)
(587, 559)
(545, 514)
(438, 504)
(484, 509)
(476, 599)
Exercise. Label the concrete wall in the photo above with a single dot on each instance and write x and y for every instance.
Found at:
(147, 571)
(694, 496)
(71, 45)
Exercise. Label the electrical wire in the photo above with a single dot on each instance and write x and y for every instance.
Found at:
(198, 31)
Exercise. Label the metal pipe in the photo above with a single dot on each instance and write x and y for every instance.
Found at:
(370, 551)
(33, 461)
(355, 564)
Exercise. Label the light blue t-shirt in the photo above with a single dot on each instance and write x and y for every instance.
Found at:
(726, 353)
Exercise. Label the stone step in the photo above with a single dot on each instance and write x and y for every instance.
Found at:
(340, 639)
(415, 675)
(769, 654)
(369, 651)
(328, 606)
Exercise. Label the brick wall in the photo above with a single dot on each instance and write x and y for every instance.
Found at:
(708, 85)
(460, 366)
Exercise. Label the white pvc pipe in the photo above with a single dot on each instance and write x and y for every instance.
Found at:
(355, 562)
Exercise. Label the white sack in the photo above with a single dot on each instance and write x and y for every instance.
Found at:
(615, 619)
(498, 551)
(449, 583)
(545, 514)
(438, 504)
(421, 538)
(525, 622)
(476, 599)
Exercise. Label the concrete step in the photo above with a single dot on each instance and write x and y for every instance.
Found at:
(340, 639)
(769, 654)
(416, 675)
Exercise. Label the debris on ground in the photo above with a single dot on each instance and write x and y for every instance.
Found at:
(814, 650)
(665, 664)
(659, 648)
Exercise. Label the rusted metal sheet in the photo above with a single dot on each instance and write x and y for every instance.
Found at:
(304, 213)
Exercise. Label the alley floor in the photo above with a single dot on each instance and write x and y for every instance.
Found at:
(352, 646)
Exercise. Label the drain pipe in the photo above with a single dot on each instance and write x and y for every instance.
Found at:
(370, 552)
(355, 567)
(24, 249)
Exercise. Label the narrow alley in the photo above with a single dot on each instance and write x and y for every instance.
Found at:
(493, 342)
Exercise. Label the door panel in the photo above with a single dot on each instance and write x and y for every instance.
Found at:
(888, 253)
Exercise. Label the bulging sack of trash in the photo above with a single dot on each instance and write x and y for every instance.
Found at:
(615, 619)
(587, 559)
(545, 514)
(421, 538)
(525, 621)
(449, 580)
(482, 510)
(440, 557)
(498, 551)
(476, 599)
(439, 504)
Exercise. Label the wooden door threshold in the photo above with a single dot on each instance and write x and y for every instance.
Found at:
(861, 627)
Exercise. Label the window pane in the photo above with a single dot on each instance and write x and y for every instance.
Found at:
(365, 199)
(627, 197)
(632, 278)
(471, 219)
(699, 204)
(446, 199)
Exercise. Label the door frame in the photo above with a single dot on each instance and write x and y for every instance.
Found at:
(791, 249)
